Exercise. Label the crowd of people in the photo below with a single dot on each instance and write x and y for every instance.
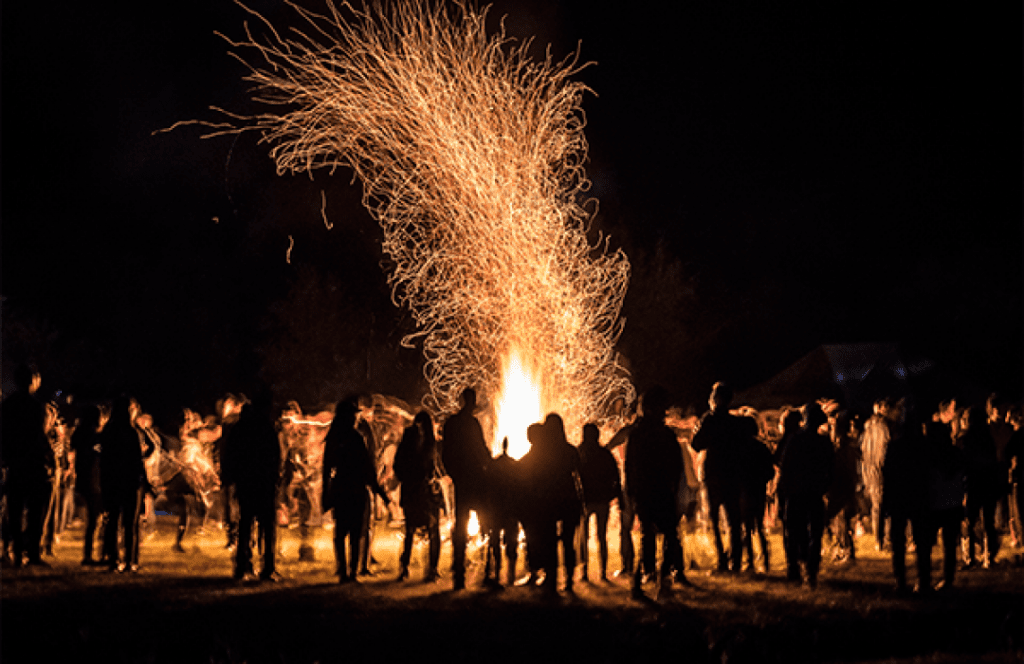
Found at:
(906, 474)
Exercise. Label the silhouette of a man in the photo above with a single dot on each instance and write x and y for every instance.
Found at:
(465, 458)
(29, 461)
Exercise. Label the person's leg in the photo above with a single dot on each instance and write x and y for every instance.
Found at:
(267, 519)
(460, 536)
(791, 537)
(406, 557)
(897, 534)
(952, 521)
(716, 499)
(585, 543)
(243, 552)
(626, 519)
(569, 532)
(601, 514)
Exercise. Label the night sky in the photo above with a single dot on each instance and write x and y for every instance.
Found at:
(781, 177)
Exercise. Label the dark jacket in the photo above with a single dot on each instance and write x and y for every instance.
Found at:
(904, 473)
(347, 470)
(599, 473)
(806, 466)
(722, 435)
(654, 465)
(26, 451)
(465, 456)
(251, 457)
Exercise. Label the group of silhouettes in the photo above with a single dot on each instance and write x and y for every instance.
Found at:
(919, 472)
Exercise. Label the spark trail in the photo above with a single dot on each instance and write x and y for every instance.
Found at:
(471, 156)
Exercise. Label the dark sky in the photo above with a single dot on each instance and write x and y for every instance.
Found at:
(828, 173)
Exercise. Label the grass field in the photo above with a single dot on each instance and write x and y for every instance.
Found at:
(186, 608)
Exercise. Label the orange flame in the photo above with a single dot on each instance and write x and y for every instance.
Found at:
(517, 406)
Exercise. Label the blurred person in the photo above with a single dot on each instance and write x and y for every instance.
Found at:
(996, 408)
(85, 442)
(28, 463)
(365, 429)
(505, 492)
(720, 436)
(123, 482)
(251, 463)
(229, 409)
(757, 468)
(347, 472)
(599, 474)
(1015, 458)
(842, 510)
(983, 485)
(416, 466)
(465, 456)
(654, 469)
(873, 444)
(805, 474)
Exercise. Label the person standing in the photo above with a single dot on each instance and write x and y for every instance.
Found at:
(416, 467)
(29, 463)
(654, 469)
(720, 435)
(86, 445)
(842, 495)
(945, 481)
(757, 469)
(251, 465)
(504, 512)
(122, 481)
(347, 472)
(805, 474)
(984, 483)
(599, 474)
(465, 457)
(905, 497)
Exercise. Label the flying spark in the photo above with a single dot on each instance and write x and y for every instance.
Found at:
(471, 158)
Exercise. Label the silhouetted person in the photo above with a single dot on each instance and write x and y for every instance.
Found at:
(983, 483)
(805, 473)
(366, 534)
(532, 505)
(905, 497)
(347, 472)
(757, 469)
(416, 467)
(842, 495)
(505, 491)
(465, 456)
(944, 470)
(85, 442)
(654, 469)
(599, 473)
(721, 434)
(251, 463)
(123, 480)
(29, 462)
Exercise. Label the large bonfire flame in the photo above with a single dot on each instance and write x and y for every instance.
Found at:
(471, 158)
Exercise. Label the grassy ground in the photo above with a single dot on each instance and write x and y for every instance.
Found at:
(186, 608)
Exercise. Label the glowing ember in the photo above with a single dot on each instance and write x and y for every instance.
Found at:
(517, 406)
(471, 158)
(473, 527)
